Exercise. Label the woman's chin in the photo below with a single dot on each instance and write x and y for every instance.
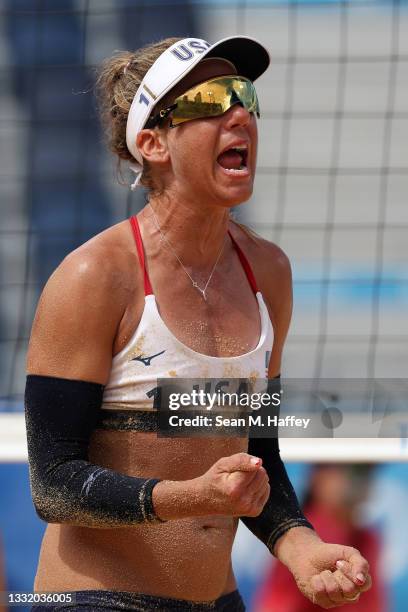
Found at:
(236, 185)
(234, 195)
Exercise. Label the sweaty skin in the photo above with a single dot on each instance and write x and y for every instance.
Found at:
(188, 558)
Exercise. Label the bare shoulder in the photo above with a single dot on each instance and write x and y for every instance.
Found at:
(81, 307)
(270, 263)
(105, 256)
(99, 267)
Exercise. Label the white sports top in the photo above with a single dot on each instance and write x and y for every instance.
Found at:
(154, 352)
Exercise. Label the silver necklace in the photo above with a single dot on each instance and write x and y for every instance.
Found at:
(194, 283)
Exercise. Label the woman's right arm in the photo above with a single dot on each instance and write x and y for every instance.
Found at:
(68, 364)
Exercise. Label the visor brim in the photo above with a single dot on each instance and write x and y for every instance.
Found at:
(250, 58)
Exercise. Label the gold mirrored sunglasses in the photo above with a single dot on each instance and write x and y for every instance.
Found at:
(209, 99)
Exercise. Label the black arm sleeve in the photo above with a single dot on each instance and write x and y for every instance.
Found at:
(66, 488)
(282, 511)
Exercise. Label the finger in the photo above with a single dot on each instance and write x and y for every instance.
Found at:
(263, 498)
(353, 565)
(367, 585)
(258, 483)
(241, 462)
(238, 484)
(350, 600)
(258, 488)
(360, 579)
(319, 595)
(255, 492)
(248, 483)
(346, 570)
(349, 590)
(333, 590)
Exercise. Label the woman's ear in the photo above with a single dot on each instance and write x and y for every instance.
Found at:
(152, 144)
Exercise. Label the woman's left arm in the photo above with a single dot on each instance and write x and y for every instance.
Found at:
(328, 574)
(282, 511)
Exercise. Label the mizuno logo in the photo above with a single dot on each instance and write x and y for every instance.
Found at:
(147, 360)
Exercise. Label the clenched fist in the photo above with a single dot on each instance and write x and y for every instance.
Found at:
(330, 575)
(234, 486)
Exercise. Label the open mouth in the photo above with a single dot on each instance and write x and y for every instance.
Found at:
(234, 159)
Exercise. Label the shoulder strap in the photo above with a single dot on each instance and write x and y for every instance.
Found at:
(245, 264)
(140, 251)
(147, 285)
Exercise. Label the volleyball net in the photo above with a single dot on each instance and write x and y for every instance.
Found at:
(331, 184)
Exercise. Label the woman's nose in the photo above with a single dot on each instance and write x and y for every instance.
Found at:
(237, 116)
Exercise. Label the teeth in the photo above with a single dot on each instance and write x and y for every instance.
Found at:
(236, 170)
(243, 151)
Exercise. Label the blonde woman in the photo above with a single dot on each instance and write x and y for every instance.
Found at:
(139, 522)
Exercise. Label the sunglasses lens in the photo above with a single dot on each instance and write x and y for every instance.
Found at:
(215, 97)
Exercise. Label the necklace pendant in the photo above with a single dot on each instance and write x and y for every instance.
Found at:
(163, 238)
(202, 291)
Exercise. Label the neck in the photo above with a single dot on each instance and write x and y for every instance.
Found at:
(197, 233)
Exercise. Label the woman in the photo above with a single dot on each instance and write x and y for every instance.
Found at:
(140, 522)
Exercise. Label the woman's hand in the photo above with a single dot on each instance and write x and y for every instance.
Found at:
(234, 486)
(329, 575)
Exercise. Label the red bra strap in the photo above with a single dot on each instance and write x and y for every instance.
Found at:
(139, 246)
(245, 264)
(147, 286)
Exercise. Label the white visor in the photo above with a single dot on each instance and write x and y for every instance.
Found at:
(249, 57)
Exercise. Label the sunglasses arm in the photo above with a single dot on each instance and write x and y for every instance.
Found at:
(160, 117)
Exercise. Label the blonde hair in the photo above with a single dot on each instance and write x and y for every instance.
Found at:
(118, 80)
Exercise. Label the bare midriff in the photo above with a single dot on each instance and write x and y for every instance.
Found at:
(188, 558)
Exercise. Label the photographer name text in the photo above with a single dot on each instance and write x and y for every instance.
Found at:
(250, 420)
